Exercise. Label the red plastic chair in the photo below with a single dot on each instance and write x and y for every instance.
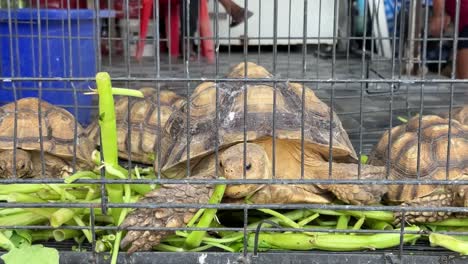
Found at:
(207, 49)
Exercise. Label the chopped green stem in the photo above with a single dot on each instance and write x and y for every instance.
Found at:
(108, 130)
(63, 193)
(41, 235)
(218, 245)
(195, 217)
(376, 215)
(10, 211)
(359, 223)
(308, 219)
(452, 222)
(104, 219)
(292, 215)
(326, 223)
(138, 188)
(25, 198)
(378, 225)
(333, 242)
(280, 216)
(100, 246)
(127, 92)
(20, 188)
(78, 194)
(123, 214)
(195, 237)
(86, 232)
(449, 242)
(64, 234)
(168, 248)
(227, 239)
(61, 216)
(342, 222)
(81, 175)
(24, 218)
(321, 227)
(327, 212)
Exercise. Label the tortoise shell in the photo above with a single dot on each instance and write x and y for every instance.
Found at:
(205, 130)
(143, 123)
(58, 129)
(433, 155)
(253, 71)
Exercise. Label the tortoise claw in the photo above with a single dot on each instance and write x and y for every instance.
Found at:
(139, 240)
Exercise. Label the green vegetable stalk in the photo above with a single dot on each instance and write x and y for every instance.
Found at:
(292, 215)
(64, 234)
(331, 242)
(24, 218)
(108, 130)
(449, 242)
(107, 122)
(195, 237)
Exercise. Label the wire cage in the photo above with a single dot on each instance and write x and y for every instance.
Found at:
(372, 89)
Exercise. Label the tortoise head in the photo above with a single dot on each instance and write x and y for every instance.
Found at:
(257, 166)
(24, 164)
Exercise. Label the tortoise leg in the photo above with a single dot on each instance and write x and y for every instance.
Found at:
(162, 217)
(358, 194)
(435, 200)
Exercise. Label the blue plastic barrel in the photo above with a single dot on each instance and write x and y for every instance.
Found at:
(68, 43)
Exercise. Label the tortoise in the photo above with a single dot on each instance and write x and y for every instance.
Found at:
(433, 160)
(58, 127)
(460, 114)
(258, 164)
(143, 123)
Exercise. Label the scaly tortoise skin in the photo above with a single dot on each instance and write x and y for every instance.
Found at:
(144, 125)
(58, 127)
(259, 124)
(433, 157)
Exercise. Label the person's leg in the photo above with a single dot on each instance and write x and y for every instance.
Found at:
(462, 55)
(192, 27)
(462, 63)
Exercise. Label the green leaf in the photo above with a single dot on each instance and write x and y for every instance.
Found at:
(25, 254)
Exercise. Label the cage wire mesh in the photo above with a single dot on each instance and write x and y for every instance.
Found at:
(374, 63)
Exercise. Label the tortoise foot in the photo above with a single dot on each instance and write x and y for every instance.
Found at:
(436, 200)
(358, 194)
(144, 240)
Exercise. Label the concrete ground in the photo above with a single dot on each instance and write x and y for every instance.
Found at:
(406, 100)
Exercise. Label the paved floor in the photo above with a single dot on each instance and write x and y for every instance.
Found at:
(375, 107)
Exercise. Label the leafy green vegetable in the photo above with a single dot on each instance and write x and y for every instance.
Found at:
(27, 253)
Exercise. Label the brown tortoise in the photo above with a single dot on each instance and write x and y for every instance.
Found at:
(58, 127)
(433, 158)
(458, 113)
(258, 165)
(143, 123)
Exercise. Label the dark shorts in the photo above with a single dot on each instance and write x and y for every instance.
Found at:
(463, 43)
